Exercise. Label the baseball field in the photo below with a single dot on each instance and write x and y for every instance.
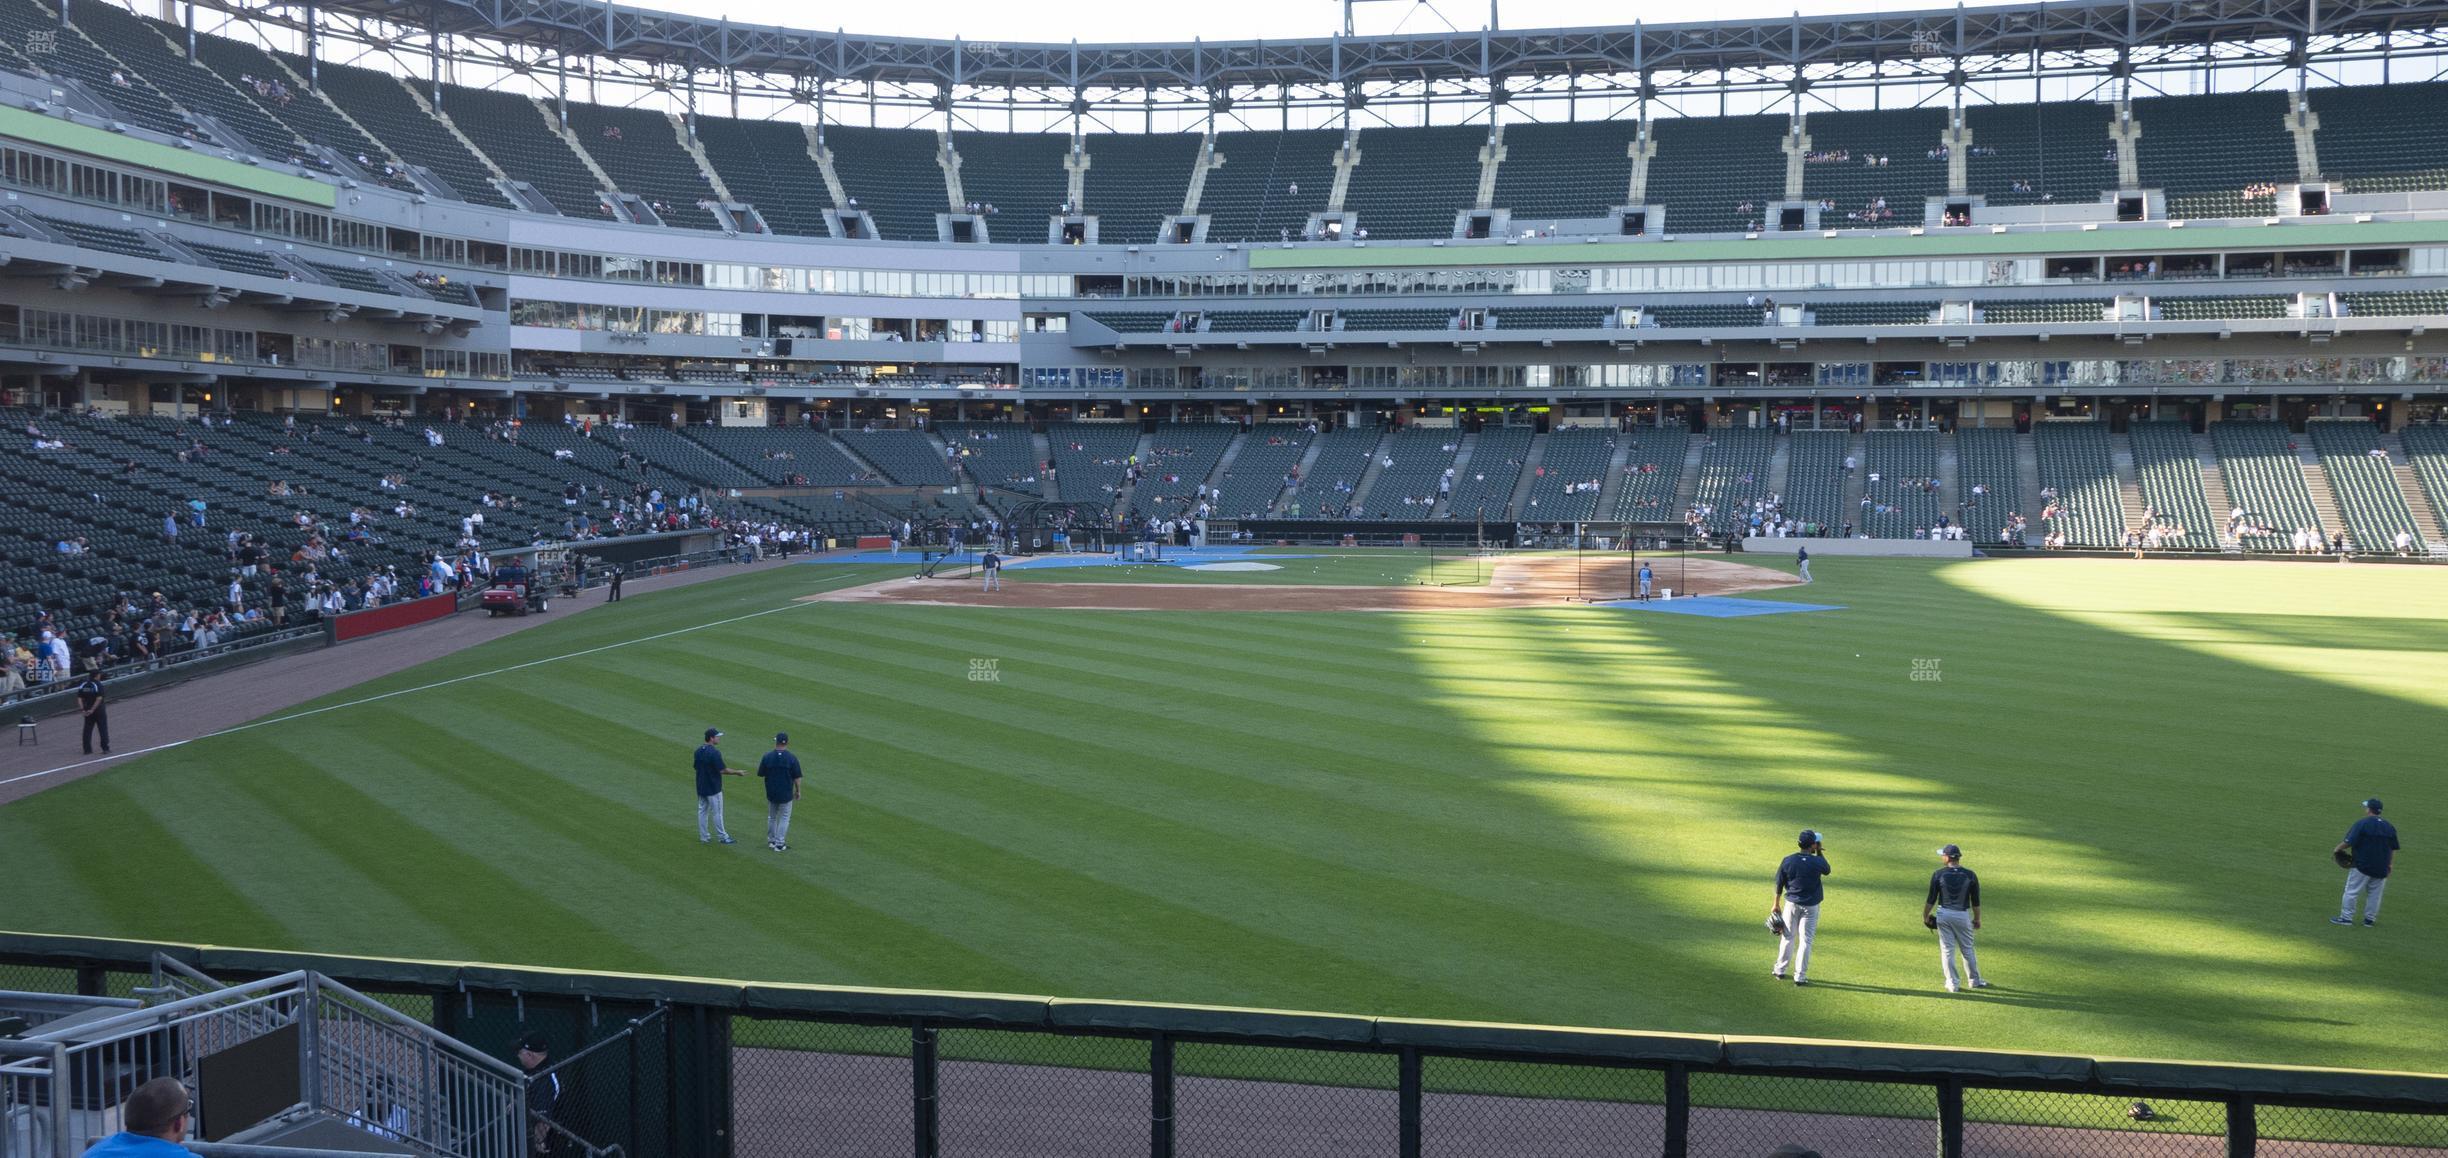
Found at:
(1546, 813)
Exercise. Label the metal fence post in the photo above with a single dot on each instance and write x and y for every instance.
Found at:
(1950, 1118)
(2243, 1128)
(92, 981)
(1678, 1111)
(1160, 1096)
(63, 1094)
(632, 1136)
(922, 1092)
(1407, 1100)
(310, 1041)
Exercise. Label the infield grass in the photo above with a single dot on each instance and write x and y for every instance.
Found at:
(1564, 816)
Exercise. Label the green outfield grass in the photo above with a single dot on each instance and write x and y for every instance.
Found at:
(1314, 566)
(1564, 815)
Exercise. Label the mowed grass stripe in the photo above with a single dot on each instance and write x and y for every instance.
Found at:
(84, 863)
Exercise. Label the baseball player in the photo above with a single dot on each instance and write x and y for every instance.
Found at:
(711, 768)
(1795, 904)
(1953, 908)
(1646, 581)
(780, 769)
(993, 568)
(1802, 559)
(2372, 848)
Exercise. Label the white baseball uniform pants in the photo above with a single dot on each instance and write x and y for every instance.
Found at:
(710, 808)
(2366, 889)
(1955, 938)
(1794, 948)
(777, 821)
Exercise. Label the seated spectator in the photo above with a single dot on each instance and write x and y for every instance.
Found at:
(156, 1119)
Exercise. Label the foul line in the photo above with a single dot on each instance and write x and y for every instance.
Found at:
(253, 724)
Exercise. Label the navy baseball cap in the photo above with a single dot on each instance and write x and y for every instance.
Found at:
(1810, 836)
(1950, 851)
(713, 732)
(781, 737)
(2372, 804)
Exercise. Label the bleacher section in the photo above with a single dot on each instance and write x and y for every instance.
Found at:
(1250, 197)
(1653, 468)
(1135, 181)
(1422, 319)
(1020, 174)
(1903, 313)
(1133, 323)
(2045, 312)
(1261, 472)
(1254, 321)
(510, 125)
(1484, 486)
(646, 160)
(2075, 461)
(70, 54)
(2265, 477)
(1549, 317)
(1815, 479)
(905, 456)
(2167, 467)
(1733, 471)
(892, 175)
(138, 43)
(1903, 500)
(1343, 459)
(1735, 316)
(2059, 151)
(2365, 485)
(1181, 456)
(305, 112)
(126, 242)
(1408, 489)
(2426, 450)
(1572, 475)
(1564, 170)
(1412, 181)
(779, 454)
(766, 164)
(2394, 303)
(240, 260)
(1707, 167)
(2383, 139)
(2219, 307)
(1089, 457)
(353, 277)
(1905, 176)
(2205, 149)
(996, 454)
(1985, 459)
(386, 109)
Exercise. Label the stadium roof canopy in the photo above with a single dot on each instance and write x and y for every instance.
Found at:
(2082, 37)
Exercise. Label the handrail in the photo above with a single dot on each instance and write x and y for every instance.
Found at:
(22, 999)
(398, 1020)
(151, 1016)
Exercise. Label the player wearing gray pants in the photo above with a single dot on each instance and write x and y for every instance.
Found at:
(1796, 903)
(1953, 909)
(2370, 849)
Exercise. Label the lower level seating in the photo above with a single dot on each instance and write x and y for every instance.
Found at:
(2364, 482)
(1989, 480)
(2167, 468)
(2078, 484)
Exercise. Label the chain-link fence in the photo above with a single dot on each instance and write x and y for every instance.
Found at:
(1291, 1103)
(1744, 1114)
(2088, 1125)
(1471, 1107)
(702, 1069)
(803, 1086)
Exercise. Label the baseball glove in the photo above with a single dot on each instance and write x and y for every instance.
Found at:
(1929, 920)
(2343, 858)
(1776, 924)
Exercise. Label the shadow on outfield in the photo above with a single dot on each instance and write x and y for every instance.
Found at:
(2121, 795)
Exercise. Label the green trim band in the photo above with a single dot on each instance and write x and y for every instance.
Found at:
(35, 128)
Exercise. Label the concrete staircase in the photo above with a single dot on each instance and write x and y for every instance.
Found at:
(1308, 460)
(2129, 480)
(2214, 488)
(861, 461)
(1376, 466)
(1145, 451)
(1224, 461)
(1687, 484)
(2027, 481)
(1780, 464)
(2325, 505)
(1461, 469)
(1950, 479)
(1857, 484)
(1043, 448)
(2426, 516)
(1610, 488)
(1518, 506)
